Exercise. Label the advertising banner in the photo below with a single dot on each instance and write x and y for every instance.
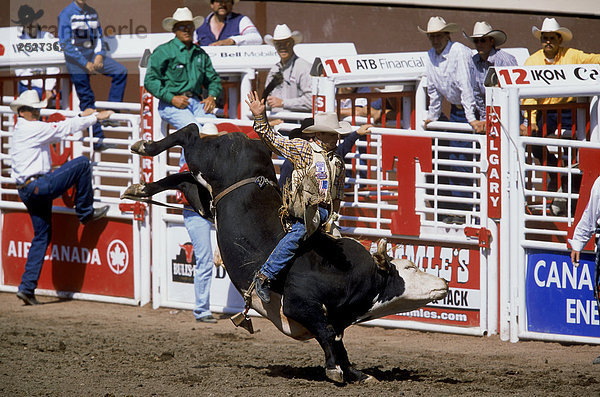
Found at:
(93, 259)
(458, 265)
(559, 296)
(180, 279)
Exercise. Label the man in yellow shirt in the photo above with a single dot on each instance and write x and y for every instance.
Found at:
(552, 36)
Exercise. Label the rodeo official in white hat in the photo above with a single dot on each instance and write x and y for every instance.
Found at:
(38, 184)
(486, 41)
(288, 84)
(552, 36)
(448, 76)
(313, 196)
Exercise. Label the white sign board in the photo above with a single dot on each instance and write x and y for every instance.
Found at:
(180, 277)
(548, 76)
(408, 64)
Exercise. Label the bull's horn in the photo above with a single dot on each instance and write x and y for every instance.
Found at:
(382, 260)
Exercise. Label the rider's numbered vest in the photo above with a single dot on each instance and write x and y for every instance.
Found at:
(313, 186)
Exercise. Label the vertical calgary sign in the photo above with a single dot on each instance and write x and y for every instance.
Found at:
(147, 124)
(494, 165)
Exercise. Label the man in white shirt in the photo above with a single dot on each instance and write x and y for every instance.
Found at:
(588, 224)
(38, 185)
(448, 76)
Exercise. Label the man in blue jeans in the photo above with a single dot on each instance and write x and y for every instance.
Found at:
(198, 228)
(178, 71)
(80, 34)
(38, 185)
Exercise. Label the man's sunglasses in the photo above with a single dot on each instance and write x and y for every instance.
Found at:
(480, 39)
(188, 26)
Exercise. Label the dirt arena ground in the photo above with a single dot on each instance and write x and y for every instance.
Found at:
(76, 348)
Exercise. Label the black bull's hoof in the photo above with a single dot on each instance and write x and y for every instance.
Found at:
(139, 148)
(134, 192)
(349, 375)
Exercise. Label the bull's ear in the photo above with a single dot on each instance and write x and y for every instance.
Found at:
(381, 258)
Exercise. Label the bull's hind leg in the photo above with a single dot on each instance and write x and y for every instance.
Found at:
(184, 137)
(312, 316)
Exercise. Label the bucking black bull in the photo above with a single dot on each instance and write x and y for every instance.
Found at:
(332, 283)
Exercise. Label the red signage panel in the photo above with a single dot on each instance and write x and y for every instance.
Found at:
(93, 259)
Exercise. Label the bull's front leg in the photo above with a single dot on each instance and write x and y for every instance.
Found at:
(143, 190)
(184, 137)
(351, 374)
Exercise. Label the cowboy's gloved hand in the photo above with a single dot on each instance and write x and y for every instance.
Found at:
(331, 227)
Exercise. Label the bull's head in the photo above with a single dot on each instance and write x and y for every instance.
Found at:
(407, 288)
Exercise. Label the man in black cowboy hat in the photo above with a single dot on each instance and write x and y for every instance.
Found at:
(27, 19)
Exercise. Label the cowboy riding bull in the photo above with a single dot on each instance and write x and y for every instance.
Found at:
(330, 282)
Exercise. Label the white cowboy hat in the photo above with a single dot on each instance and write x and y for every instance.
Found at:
(181, 15)
(209, 129)
(282, 32)
(28, 98)
(484, 29)
(328, 122)
(551, 25)
(437, 25)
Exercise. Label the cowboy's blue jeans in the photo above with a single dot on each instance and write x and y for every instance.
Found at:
(37, 197)
(179, 118)
(286, 248)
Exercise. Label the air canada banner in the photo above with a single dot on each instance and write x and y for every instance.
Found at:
(559, 296)
(94, 259)
(459, 265)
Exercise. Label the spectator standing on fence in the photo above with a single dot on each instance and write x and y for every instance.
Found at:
(225, 27)
(448, 76)
(288, 85)
(81, 36)
(177, 73)
(38, 185)
(486, 40)
(27, 18)
(585, 229)
(552, 36)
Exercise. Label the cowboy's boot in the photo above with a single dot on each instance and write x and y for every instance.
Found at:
(263, 291)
